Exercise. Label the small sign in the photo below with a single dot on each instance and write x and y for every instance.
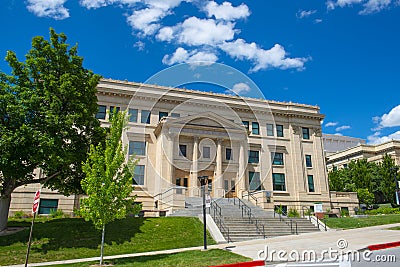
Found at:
(36, 201)
(318, 207)
(208, 201)
(398, 196)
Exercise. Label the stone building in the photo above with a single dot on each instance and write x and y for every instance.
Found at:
(245, 147)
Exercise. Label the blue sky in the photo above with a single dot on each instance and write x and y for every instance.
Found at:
(342, 55)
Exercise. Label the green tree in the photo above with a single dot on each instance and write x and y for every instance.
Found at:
(47, 119)
(387, 184)
(365, 197)
(108, 182)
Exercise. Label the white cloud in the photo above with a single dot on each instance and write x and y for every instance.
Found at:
(276, 57)
(194, 31)
(338, 134)
(369, 6)
(305, 13)
(316, 21)
(341, 128)
(48, 8)
(195, 57)
(377, 139)
(165, 34)
(374, 6)
(226, 11)
(145, 20)
(239, 88)
(331, 124)
(391, 119)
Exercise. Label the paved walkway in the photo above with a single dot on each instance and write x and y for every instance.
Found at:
(354, 239)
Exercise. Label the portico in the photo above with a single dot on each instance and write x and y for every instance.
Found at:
(194, 146)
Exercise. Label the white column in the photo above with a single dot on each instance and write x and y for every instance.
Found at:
(218, 187)
(170, 159)
(242, 181)
(193, 189)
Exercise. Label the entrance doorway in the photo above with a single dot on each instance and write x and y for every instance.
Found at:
(230, 189)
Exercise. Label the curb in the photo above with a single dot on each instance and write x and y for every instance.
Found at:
(243, 264)
(384, 246)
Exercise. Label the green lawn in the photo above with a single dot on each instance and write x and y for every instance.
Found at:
(182, 259)
(71, 238)
(350, 222)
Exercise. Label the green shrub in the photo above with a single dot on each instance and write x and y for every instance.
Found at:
(293, 213)
(344, 213)
(57, 214)
(279, 209)
(21, 215)
(383, 210)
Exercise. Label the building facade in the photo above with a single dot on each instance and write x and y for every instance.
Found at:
(244, 147)
(373, 153)
(334, 143)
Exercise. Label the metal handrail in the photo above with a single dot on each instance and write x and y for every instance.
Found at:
(288, 221)
(218, 218)
(251, 194)
(318, 221)
(246, 210)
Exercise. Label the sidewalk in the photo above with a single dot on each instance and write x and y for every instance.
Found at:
(356, 239)
(353, 239)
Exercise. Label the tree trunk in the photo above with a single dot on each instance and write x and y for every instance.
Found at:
(102, 245)
(4, 208)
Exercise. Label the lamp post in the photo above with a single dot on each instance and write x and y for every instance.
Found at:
(203, 180)
(394, 170)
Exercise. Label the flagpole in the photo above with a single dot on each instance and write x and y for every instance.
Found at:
(29, 242)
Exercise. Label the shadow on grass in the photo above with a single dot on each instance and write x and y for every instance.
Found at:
(72, 233)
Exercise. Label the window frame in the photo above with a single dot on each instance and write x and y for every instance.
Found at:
(255, 128)
(47, 208)
(275, 185)
(256, 159)
(133, 115)
(311, 188)
(140, 175)
(270, 129)
(102, 113)
(137, 146)
(230, 153)
(279, 130)
(255, 176)
(162, 114)
(208, 154)
(308, 161)
(143, 119)
(279, 161)
(246, 124)
(181, 151)
(305, 133)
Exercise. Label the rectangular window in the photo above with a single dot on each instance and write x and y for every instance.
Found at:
(145, 118)
(117, 109)
(278, 180)
(182, 150)
(101, 113)
(175, 115)
(133, 115)
(310, 179)
(279, 130)
(277, 158)
(162, 114)
(47, 205)
(246, 124)
(255, 128)
(185, 182)
(138, 175)
(308, 161)
(178, 181)
(270, 129)
(137, 148)
(206, 152)
(254, 156)
(306, 133)
(254, 181)
(226, 185)
(228, 154)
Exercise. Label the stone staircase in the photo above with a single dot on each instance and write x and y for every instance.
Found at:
(240, 228)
